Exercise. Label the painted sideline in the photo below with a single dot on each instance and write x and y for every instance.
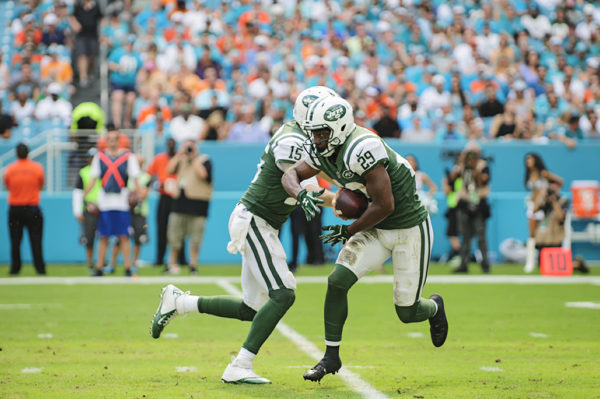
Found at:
(351, 379)
(301, 280)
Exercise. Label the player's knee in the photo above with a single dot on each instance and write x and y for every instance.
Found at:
(246, 312)
(284, 297)
(407, 313)
(341, 278)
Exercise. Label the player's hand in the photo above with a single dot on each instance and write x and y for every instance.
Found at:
(309, 202)
(339, 233)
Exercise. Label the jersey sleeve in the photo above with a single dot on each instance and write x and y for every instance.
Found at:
(365, 155)
(288, 149)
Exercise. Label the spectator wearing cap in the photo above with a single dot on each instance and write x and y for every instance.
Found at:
(24, 180)
(586, 28)
(56, 70)
(124, 65)
(85, 21)
(448, 132)
(522, 98)
(54, 106)
(187, 126)
(415, 132)
(247, 130)
(113, 168)
(23, 107)
(435, 97)
(51, 33)
(536, 24)
(590, 124)
(85, 208)
(31, 35)
(115, 32)
(560, 25)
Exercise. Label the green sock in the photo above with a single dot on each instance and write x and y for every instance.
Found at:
(267, 318)
(225, 306)
(336, 302)
(422, 310)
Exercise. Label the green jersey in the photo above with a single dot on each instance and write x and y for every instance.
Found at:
(266, 197)
(361, 152)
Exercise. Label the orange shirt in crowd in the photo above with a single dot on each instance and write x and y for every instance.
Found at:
(158, 167)
(57, 71)
(124, 142)
(24, 180)
(150, 110)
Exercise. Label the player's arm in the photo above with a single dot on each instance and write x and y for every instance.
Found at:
(379, 188)
(290, 181)
(311, 185)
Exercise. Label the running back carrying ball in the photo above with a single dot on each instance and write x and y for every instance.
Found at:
(350, 204)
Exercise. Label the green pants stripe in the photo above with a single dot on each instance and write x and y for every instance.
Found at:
(258, 262)
(421, 262)
(265, 249)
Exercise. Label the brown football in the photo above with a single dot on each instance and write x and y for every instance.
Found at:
(351, 204)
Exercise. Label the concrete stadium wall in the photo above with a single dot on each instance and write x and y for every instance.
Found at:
(235, 165)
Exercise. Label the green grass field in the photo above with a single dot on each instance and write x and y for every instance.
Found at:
(100, 346)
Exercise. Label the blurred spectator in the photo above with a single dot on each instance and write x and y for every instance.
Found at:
(192, 195)
(247, 129)
(435, 98)
(536, 24)
(206, 61)
(85, 209)
(124, 65)
(387, 126)
(473, 207)
(6, 124)
(157, 106)
(139, 210)
(52, 34)
(422, 181)
(53, 106)
(56, 70)
(31, 35)
(4, 73)
(449, 132)
(167, 184)
(188, 126)
(490, 106)
(590, 124)
(23, 107)
(178, 53)
(114, 33)
(85, 21)
(506, 125)
(416, 133)
(24, 180)
(25, 78)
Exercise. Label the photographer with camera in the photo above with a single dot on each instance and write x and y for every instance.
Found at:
(473, 207)
(191, 197)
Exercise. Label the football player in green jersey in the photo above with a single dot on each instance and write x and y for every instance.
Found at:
(267, 284)
(395, 224)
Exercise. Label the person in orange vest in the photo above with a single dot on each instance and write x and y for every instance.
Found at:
(114, 167)
(24, 180)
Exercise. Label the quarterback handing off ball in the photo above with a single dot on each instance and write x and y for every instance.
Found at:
(350, 204)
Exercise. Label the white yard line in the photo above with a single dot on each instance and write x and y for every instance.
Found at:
(351, 379)
(494, 279)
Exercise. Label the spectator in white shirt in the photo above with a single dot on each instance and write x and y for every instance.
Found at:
(23, 107)
(248, 130)
(536, 24)
(585, 28)
(188, 126)
(54, 107)
(435, 97)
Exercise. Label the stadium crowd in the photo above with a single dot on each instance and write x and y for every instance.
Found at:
(419, 70)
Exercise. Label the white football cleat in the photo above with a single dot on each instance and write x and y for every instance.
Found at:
(167, 309)
(235, 374)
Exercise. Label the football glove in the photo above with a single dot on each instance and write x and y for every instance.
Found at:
(339, 233)
(309, 202)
